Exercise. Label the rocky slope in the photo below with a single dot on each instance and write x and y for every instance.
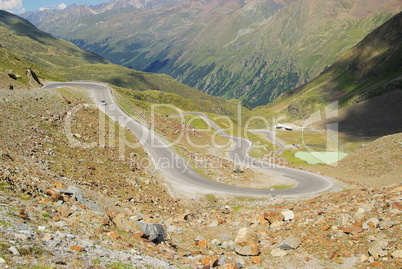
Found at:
(254, 50)
(374, 164)
(66, 206)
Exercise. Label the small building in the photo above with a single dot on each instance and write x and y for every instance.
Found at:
(284, 127)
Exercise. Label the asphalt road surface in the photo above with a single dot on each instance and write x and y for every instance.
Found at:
(274, 140)
(177, 170)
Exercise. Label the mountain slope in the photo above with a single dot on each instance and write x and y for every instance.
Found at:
(68, 61)
(21, 73)
(366, 81)
(235, 49)
(22, 38)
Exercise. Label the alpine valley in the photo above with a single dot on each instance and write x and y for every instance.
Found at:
(108, 161)
(253, 50)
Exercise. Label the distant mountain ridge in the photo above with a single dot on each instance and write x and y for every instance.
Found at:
(74, 10)
(254, 49)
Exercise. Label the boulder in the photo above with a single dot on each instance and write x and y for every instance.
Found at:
(290, 243)
(373, 222)
(79, 197)
(228, 245)
(385, 224)
(273, 216)
(246, 243)
(124, 223)
(153, 231)
(77, 248)
(343, 220)
(366, 208)
(203, 243)
(14, 251)
(214, 223)
(377, 247)
(288, 215)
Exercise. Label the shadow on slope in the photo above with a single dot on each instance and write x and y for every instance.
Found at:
(376, 117)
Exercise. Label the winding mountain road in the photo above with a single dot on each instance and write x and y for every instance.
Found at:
(274, 140)
(177, 170)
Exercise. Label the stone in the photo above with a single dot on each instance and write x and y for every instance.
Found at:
(261, 219)
(214, 223)
(288, 215)
(216, 242)
(290, 243)
(385, 224)
(326, 227)
(228, 245)
(276, 225)
(153, 231)
(343, 220)
(277, 252)
(246, 243)
(79, 197)
(203, 243)
(66, 211)
(221, 261)
(273, 216)
(353, 228)
(47, 238)
(383, 253)
(247, 249)
(363, 258)
(246, 235)
(124, 223)
(377, 246)
(256, 260)
(211, 261)
(397, 206)
(41, 228)
(358, 216)
(56, 196)
(114, 235)
(77, 248)
(23, 214)
(373, 222)
(14, 251)
(2, 261)
(397, 254)
(366, 208)
(59, 185)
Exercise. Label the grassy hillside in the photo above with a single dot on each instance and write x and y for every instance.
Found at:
(67, 61)
(254, 50)
(370, 69)
(22, 38)
(18, 72)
